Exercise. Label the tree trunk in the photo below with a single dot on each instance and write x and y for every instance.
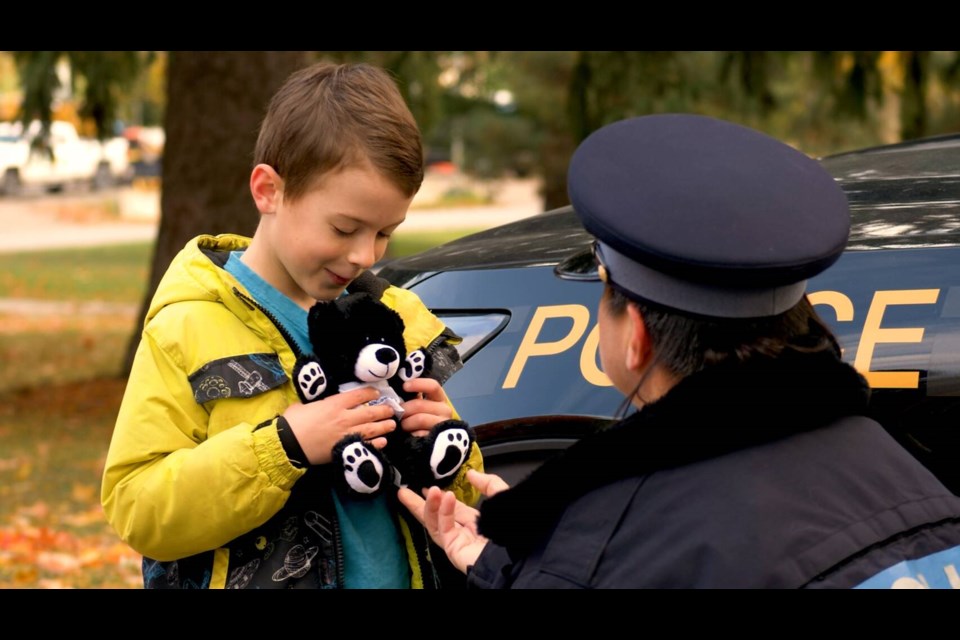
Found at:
(556, 150)
(215, 102)
(913, 115)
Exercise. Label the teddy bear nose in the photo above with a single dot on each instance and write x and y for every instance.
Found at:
(386, 355)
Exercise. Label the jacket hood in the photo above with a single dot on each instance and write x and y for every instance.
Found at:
(195, 274)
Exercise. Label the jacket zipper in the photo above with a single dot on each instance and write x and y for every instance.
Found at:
(253, 304)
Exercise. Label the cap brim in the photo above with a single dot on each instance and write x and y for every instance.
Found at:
(581, 266)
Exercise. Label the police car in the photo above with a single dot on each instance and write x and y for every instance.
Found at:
(531, 382)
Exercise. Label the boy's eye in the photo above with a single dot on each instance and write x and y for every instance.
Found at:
(381, 234)
(343, 232)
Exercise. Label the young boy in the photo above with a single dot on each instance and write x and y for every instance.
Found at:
(216, 473)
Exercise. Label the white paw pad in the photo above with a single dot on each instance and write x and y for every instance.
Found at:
(414, 365)
(312, 381)
(449, 452)
(362, 470)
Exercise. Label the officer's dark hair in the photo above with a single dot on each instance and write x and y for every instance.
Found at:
(685, 344)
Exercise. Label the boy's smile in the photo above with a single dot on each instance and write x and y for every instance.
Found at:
(312, 248)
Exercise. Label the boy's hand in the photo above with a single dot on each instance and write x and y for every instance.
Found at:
(426, 410)
(319, 425)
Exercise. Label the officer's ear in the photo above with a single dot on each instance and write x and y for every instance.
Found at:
(639, 346)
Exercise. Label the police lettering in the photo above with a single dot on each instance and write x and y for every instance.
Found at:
(873, 333)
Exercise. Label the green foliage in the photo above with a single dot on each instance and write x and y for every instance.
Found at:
(101, 77)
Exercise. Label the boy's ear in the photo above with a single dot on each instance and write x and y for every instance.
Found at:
(266, 186)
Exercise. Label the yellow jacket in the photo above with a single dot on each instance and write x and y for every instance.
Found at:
(184, 478)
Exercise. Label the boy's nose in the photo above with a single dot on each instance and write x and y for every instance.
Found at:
(364, 254)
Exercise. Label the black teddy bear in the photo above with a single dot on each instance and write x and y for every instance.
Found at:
(358, 341)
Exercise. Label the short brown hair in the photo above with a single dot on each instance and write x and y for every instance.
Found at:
(330, 116)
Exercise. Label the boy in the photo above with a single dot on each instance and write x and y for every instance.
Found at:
(216, 473)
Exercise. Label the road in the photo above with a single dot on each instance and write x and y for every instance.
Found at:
(130, 214)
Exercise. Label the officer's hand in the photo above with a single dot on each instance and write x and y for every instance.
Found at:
(451, 523)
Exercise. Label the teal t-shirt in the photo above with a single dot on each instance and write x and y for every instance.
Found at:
(373, 552)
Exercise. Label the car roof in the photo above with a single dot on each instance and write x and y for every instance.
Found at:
(901, 195)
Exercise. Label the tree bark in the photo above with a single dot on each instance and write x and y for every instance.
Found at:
(215, 102)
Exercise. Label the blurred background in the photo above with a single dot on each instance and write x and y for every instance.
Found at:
(111, 160)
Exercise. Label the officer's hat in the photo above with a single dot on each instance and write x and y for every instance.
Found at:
(704, 216)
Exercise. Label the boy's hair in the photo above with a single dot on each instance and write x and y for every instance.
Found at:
(685, 344)
(328, 117)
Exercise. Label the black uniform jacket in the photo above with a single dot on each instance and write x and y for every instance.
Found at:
(766, 475)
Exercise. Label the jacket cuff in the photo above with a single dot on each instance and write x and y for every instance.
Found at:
(291, 446)
(273, 459)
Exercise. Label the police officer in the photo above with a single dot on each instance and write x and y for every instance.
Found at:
(748, 461)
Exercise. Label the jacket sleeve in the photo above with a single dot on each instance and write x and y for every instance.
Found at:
(171, 489)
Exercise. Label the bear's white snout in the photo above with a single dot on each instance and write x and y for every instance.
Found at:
(377, 362)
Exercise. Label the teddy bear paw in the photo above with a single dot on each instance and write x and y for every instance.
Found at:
(450, 450)
(414, 365)
(311, 381)
(361, 469)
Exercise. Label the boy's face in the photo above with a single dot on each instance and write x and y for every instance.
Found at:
(316, 245)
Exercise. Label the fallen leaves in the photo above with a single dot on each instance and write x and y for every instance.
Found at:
(44, 556)
(53, 534)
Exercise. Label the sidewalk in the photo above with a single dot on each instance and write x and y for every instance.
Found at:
(131, 214)
(70, 220)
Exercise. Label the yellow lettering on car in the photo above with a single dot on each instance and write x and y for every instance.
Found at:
(873, 334)
(841, 304)
(588, 360)
(529, 347)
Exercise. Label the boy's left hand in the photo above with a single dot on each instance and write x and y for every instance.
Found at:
(426, 410)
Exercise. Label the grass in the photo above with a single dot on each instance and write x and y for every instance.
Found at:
(118, 274)
(60, 390)
(109, 274)
(408, 243)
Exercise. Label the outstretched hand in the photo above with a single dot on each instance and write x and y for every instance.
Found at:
(451, 523)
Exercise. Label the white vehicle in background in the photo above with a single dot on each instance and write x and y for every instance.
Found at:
(65, 159)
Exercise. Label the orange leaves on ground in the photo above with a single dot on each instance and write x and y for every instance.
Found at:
(51, 556)
(83, 492)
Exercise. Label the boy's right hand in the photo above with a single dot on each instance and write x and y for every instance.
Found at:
(319, 425)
